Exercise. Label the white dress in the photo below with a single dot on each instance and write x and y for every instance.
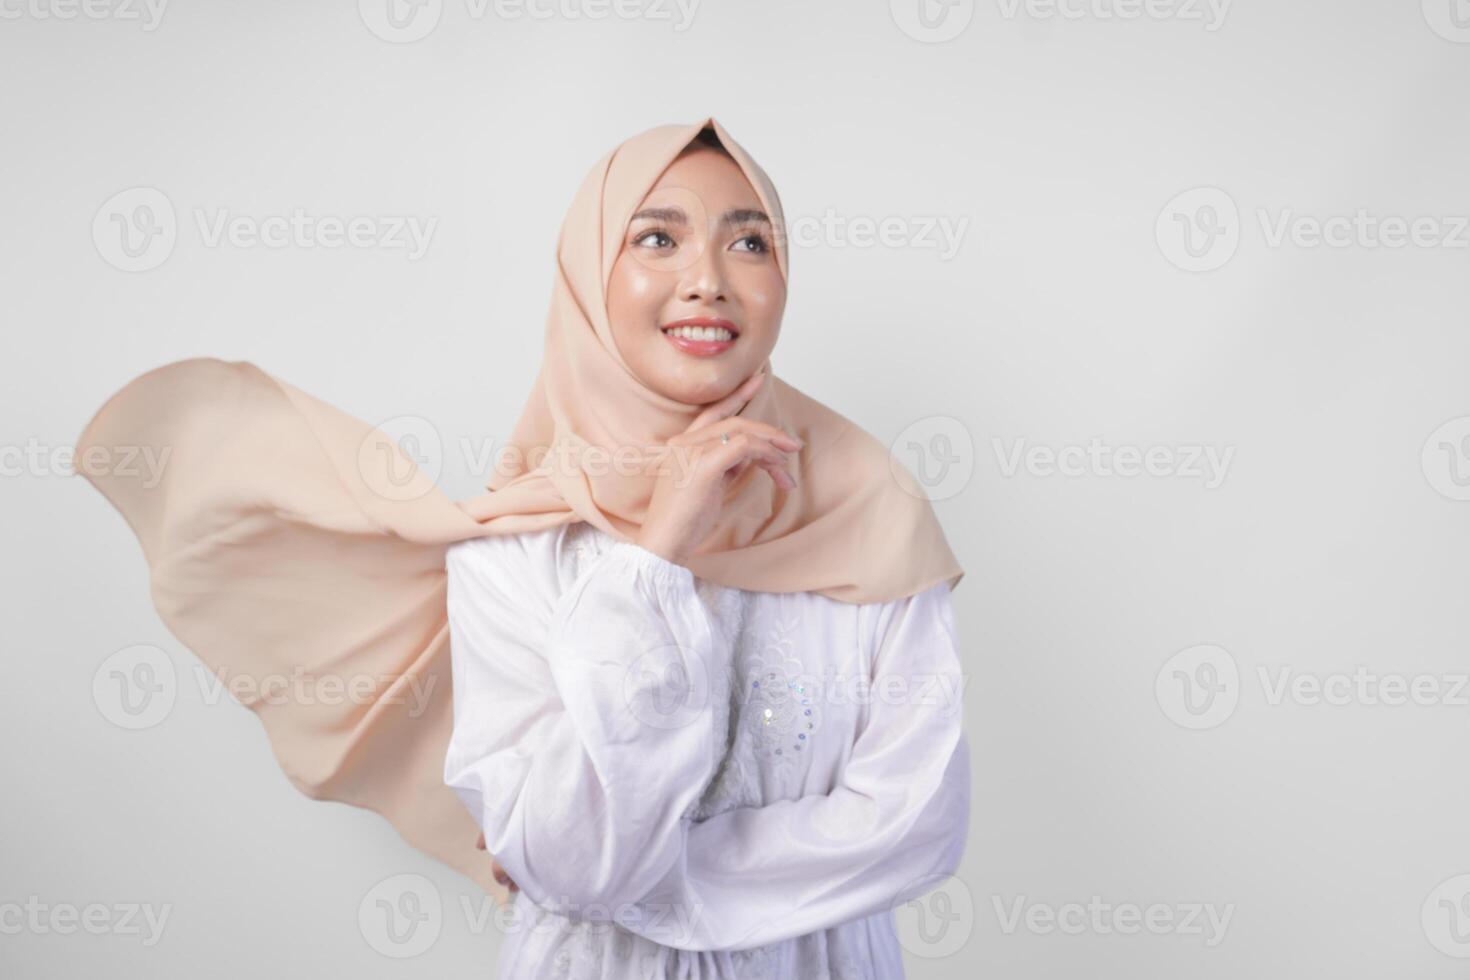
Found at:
(689, 781)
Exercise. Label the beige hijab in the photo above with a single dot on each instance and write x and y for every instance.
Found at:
(292, 544)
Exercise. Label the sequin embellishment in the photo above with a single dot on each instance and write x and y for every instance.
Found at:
(781, 708)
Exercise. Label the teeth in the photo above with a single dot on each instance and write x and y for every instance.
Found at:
(701, 333)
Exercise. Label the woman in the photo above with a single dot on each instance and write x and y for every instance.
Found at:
(704, 680)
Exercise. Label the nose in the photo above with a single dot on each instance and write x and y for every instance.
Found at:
(704, 280)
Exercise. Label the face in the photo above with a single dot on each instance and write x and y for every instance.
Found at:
(696, 297)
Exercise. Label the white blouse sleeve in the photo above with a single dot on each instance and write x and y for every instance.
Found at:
(898, 818)
(564, 746)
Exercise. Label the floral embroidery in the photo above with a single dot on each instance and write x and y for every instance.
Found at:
(773, 712)
(782, 710)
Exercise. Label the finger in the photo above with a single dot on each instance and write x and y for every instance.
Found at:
(735, 472)
(771, 432)
(480, 843)
(743, 448)
(735, 424)
(730, 404)
(780, 474)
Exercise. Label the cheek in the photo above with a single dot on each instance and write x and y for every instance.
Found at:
(765, 299)
(634, 297)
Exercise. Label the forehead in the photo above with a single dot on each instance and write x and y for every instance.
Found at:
(712, 175)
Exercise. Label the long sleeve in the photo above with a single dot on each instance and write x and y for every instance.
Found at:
(898, 818)
(581, 732)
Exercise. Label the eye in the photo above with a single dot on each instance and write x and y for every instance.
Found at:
(664, 241)
(758, 243)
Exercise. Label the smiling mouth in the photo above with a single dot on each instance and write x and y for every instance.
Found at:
(701, 336)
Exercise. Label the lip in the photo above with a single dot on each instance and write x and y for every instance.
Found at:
(701, 348)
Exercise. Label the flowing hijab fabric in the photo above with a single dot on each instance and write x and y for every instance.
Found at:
(295, 548)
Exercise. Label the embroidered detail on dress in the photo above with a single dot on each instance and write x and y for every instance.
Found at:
(782, 706)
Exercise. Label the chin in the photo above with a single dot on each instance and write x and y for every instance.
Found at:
(701, 394)
(701, 391)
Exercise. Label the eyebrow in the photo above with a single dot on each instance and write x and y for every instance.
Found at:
(676, 216)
